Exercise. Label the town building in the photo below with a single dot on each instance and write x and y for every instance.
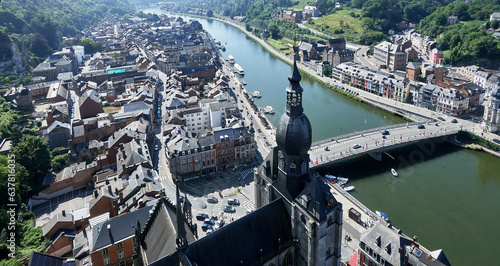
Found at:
(381, 245)
(389, 56)
(452, 20)
(413, 71)
(491, 116)
(495, 16)
(310, 11)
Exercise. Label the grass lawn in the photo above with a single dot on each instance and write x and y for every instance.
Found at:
(302, 3)
(330, 23)
(281, 44)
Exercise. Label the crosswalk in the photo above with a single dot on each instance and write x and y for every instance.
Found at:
(248, 205)
(163, 177)
(244, 173)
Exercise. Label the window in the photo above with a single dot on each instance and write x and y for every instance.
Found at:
(119, 245)
(107, 261)
(121, 255)
(105, 252)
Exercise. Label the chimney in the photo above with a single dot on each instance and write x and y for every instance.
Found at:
(109, 229)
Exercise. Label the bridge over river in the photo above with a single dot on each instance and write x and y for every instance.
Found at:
(373, 142)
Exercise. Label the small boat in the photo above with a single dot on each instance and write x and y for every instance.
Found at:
(383, 215)
(223, 48)
(243, 81)
(230, 58)
(394, 173)
(256, 94)
(349, 188)
(238, 69)
(270, 109)
(337, 177)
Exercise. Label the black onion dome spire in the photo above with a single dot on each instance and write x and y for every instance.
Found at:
(294, 133)
(294, 92)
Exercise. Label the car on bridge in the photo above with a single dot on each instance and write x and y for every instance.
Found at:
(356, 146)
(385, 132)
(441, 118)
(454, 121)
(421, 127)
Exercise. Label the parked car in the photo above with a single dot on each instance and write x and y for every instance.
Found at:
(156, 147)
(356, 146)
(233, 202)
(497, 140)
(229, 209)
(205, 227)
(181, 199)
(421, 127)
(212, 200)
(219, 224)
(209, 231)
(214, 217)
(201, 216)
(209, 221)
(441, 118)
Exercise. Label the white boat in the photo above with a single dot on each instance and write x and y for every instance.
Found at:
(349, 188)
(270, 109)
(394, 173)
(337, 177)
(383, 215)
(256, 94)
(230, 58)
(238, 69)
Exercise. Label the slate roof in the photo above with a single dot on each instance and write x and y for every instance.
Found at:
(316, 198)
(57, 124)
(412, 65)
(40, 259)
(92, 94)
(122, 227)
(241, 240)
(161, 232)
(136, 106)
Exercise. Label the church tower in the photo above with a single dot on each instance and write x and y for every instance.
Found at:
(315, 215)
(293, 136)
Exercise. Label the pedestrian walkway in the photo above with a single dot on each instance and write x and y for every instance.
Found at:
(244, 173)
(248, 205)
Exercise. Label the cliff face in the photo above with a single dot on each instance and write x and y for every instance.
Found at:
(14, 60)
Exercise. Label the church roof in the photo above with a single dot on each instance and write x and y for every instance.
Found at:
(316, 198)
(242, 240)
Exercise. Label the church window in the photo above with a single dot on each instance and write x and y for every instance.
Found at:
(293, 168)
(288, 259)
(282, 164)
(303, 168)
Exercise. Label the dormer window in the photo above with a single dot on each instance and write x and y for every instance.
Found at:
(388, 248)
(378, 241)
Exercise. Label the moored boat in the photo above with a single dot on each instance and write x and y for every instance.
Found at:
(256, 94)
(270, 109)
(230, 59)
(238, 69)
(382, 215)
(349, 188)
(394, 173)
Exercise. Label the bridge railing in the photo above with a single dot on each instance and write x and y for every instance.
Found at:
(327, 159)
(371, 130)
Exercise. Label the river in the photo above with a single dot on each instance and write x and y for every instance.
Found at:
(446, 196)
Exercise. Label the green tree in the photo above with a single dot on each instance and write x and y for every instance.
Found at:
(326, 71)
(494, 24)
(247, 27)
(274, 31)
(210, 13)
(59, 162)
(33, 153)
(39, 45)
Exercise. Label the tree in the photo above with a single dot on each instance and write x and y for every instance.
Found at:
(326, 71)
(210, 13)
(494, 24)
(247, 26)
(59, 162)
(33, 153)
(274, 31)
(39, 45)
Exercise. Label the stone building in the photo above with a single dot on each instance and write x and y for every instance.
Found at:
(491, 116)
